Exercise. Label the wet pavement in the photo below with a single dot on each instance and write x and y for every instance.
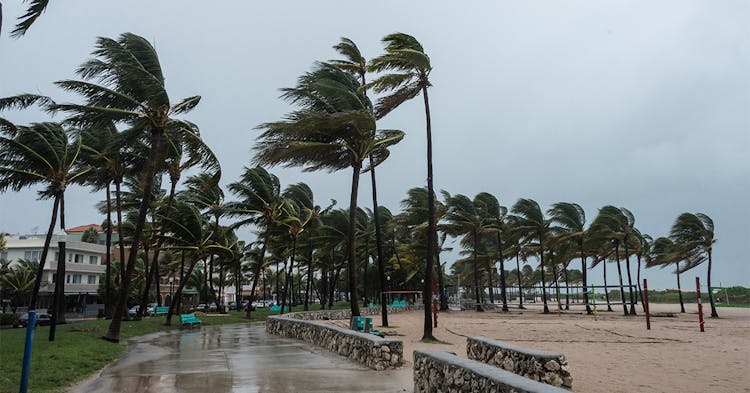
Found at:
(238, 358)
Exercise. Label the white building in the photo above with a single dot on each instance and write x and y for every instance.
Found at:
(84, 268)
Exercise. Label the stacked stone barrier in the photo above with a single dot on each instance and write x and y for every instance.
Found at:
(444, 372)
(367, 349)
(546, 367)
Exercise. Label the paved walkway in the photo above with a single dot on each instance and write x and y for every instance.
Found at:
(238, 358)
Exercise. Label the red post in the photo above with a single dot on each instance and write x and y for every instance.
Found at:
(700, 305)
(645, 304)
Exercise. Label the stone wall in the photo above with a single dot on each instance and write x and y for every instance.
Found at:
(547, 367)
(367, 349)
(440, 371)
(346, 314)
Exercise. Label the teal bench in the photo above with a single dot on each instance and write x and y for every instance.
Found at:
(163, 310)
(275, 308)
(189, 320)
(397, 303)
(361, 324)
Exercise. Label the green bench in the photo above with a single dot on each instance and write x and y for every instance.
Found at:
(189, 320)
(274, 309)
(163, 310)
(364, 325)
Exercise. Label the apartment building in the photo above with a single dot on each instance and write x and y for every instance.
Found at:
(84, 268)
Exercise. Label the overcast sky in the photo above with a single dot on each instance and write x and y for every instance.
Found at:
(639, 104)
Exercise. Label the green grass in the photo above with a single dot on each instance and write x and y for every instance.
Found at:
(78, 349)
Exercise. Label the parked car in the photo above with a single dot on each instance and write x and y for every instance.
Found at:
(133, 311)
(232, 306)
(42, 319)
(244, 304)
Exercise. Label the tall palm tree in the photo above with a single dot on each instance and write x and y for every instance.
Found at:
(411, 67)
(295, 217)
(696, 233)
(530, 221)
(333, 129)
(470, 219)
(103, 151)
(569, 221)
(260, 205)
(131, 91)
(43, 154)
(356, 64)
(630, 236)
(609, 230)
(498, 214)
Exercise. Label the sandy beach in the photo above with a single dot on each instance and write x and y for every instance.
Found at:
(613, 353)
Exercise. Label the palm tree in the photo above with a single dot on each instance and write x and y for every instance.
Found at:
(356, 64)
(294, 218)
(131, 91)
(103, 152)
(41, 154)
(530, 221)
(189, 232)
(665, 252)
(260, 204)
(609, 230)
(405, 55)
(498, 213)
(696, 233)
(569, 220)
(472, 220)
(334, 129)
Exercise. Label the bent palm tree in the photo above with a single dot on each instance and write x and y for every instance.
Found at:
(333, 130)
(696, 233)
(405, 55)
(131, 91)
(530, 221)
(570, 220)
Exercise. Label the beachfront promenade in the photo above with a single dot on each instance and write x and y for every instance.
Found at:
(237, 358)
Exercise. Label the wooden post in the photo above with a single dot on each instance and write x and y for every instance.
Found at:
(700, 305)
(645, 304)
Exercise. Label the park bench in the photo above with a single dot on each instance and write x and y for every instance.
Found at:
(274, 309)
(163, 310)
(189, 320)
(364, 325)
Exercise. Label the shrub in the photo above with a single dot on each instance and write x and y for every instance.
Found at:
(7, 318)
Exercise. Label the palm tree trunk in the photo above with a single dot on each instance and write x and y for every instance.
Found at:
(541, 266)
(310, 272)
(520, 285)
(679, 289)
(58, 308)
(630, 281)
(567, 288)
(113, 333)
(120, 236)
(431, 233)
(178, 295)
(323, 287)
(441, 287)
(503, 291)
(606, 289)
(108, 256)
(334, 284)
(489, 280)
(378, 245)
(714, 314)
(259, 268)
(583, 276)
(352, 263)
(619, 274)
(43, 258)
(476, 274)
(638, 281)
(556, 282)
(364, 271)
(289, 276)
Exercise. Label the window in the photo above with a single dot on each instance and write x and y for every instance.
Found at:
(78, 258)
(57, 256)
(91, 280)
(76, 279)
(54, 278)
(93, 259)
(32, 255)
(67, 278)
(4, 255)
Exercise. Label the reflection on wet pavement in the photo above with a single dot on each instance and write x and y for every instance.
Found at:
(238, 358)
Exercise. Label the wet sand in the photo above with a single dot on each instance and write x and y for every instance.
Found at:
(613, 353)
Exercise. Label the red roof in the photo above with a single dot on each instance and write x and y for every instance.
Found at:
(83, 228)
